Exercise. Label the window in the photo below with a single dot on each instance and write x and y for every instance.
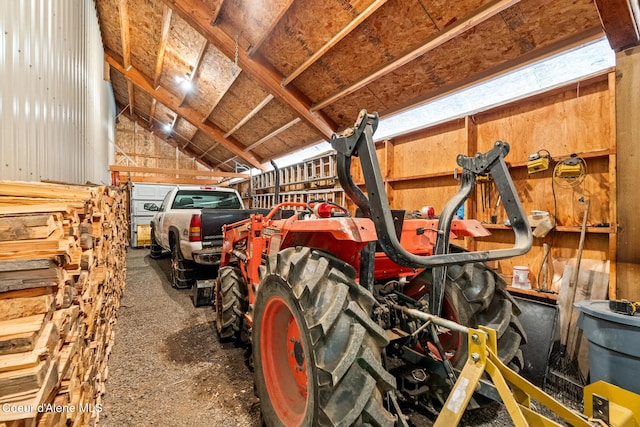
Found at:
(198, 199)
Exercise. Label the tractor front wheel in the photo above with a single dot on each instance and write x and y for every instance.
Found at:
(230, 303)
(317, 353)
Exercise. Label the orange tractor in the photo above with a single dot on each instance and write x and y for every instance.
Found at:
(326, 299)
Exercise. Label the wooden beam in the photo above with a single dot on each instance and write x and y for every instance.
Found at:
(272, 134)
(126, 46)
(170, 180)
(192, 77)
(227, 161)
(173, 103)
(152, 113)
(164, 37)
(249, 116)
(197, 14)
(477, 17)
(205, 152)
(215, 104)
(255, 48)
(216, 13)
(619, 22)
(334, 40)
(185, 172)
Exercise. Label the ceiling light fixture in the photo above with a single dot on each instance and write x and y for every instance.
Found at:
(168, 127)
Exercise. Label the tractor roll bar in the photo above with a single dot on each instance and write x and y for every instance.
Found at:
(358, 141)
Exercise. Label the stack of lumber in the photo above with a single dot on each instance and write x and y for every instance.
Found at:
(62, 273)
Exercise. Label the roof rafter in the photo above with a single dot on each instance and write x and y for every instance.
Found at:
(126, 46)
(334, 41)
(197, 14)
(620, 22)
(255, 48)
(192, 79)
(171, 101)
(205, 152)
(152, 113)
(216, 13)
(215, 104)
(164, 38)
(273, 134)
(249, 116)
(477, 17)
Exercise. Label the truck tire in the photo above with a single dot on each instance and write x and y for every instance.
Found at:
(181, 270)
(475, 295)
(230, 303)
(155, 250)
(316, 351)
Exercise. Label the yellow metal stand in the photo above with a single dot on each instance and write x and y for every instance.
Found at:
(613, 406)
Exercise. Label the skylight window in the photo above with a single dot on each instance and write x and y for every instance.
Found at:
(573, 65)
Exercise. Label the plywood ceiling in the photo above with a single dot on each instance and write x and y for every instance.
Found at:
(245, 81)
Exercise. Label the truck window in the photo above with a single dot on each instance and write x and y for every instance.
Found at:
(198, 199)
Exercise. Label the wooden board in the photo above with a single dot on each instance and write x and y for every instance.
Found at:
(20, 335)
(46, 343)
(24, 279)
(26, 302)
(27, 380)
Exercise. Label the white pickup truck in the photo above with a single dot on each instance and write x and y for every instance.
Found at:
(189, 225)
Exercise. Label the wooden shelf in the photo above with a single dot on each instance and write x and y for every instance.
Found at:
(422, 176)
(585, 155)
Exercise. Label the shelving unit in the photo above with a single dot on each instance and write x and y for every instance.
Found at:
(312, 179)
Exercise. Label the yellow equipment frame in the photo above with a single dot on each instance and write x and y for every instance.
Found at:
(604, 404)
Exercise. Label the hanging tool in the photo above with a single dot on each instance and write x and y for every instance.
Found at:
(563, 377)
(494, 217)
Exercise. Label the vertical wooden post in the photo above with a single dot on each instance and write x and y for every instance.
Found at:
(471, 206)
(613, 220)
(628, 153)
(388, 169)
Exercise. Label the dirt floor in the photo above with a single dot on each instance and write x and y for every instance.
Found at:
(167, 367)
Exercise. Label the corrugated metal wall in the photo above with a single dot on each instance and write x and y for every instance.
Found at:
(57, 112)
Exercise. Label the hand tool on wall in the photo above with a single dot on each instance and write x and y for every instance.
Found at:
(494, 217)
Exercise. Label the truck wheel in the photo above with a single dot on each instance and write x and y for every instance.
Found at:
(181, 271)
(230, 303)
(316, 351)
(475, 295)
(155, 250)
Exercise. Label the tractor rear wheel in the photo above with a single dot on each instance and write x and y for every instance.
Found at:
(316, 351)
(475, 295)
(230, 303)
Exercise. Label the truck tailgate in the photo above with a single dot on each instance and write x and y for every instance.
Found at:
(212, 221)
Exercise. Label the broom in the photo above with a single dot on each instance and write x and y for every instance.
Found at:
(562, 376)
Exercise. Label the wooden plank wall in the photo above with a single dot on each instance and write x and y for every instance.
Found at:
(419, 169)
(139, 147)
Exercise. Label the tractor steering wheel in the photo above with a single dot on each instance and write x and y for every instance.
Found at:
(337, 205)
